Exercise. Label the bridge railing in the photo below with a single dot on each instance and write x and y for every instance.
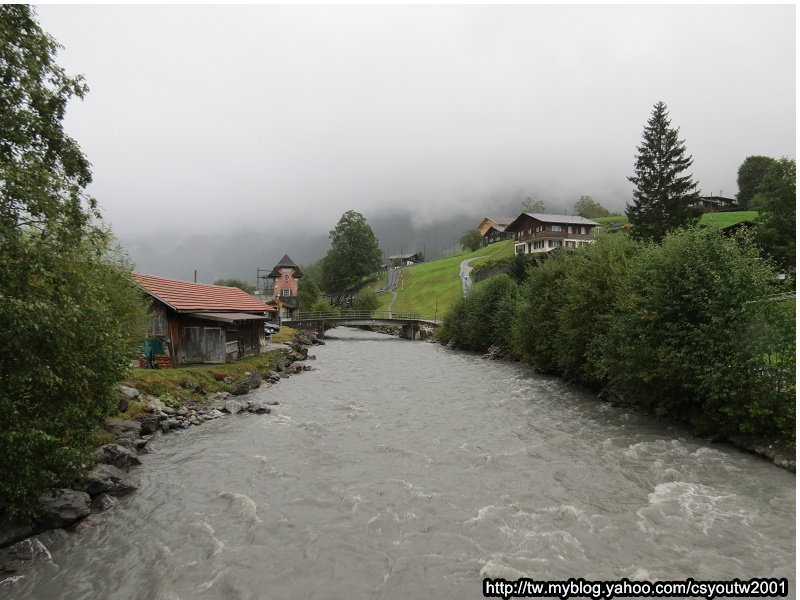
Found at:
(358, 314)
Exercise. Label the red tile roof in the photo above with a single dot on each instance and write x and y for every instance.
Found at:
(188, 296)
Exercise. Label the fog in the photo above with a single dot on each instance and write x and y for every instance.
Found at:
(223, 137)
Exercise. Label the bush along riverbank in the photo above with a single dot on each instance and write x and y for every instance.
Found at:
(693, 329)
(142, 417)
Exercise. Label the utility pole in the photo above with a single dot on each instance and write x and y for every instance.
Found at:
(195, 275)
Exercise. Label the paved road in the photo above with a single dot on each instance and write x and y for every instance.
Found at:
(392, 279)
(466, 281)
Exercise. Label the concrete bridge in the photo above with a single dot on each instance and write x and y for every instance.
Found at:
(411, 323)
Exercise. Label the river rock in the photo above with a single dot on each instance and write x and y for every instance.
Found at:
(233, 407)
(168, 410)
(164, 427)
(318, 342)
(104, 502)
(148, 421)
(152, 404)
(128, 392)
(114, 454)
(63, 508)
(240, 388)
(12, 530)
(173, 423)
(122, 429)
(219, 397)
(13, 558)
(258, 407)
(254, 380)
(216, 414)
(109, 479)
(493, 352)
(274, 376)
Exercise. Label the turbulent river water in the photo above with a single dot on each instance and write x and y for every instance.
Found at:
(405, 470)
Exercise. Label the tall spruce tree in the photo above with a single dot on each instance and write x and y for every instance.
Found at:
(664, 195)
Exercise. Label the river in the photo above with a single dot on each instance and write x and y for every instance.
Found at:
(401, 469)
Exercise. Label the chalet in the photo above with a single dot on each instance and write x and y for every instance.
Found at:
(200, 323)
(716, 204)
(284, 288)
(539, 232)
(496, 233)
(496, 222)
(399, 260)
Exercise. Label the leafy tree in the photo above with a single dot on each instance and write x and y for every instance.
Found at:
(313, 273)
(586, 207)
(471, 240)
(323, 306)
(237, 283)
(69, 312)
(354, 253)
(683, 338)
(777, 202)
(482, 318)
(307, 292)
(663, 196)
(366, 300)
(749, 177)
(535, 332)
(530, 205)
(595, 275)
(518, 270)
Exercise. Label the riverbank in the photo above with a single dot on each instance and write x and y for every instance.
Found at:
(169, 401)
(781, 453)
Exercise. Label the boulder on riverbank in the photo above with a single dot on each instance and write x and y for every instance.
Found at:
(63, 508)
(116, 455)
(109, 479)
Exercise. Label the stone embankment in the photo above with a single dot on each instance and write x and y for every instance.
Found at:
(75, 510)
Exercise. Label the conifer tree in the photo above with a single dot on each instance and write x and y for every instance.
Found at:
(664, 193)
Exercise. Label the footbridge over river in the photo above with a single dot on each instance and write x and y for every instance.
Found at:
(411, 323)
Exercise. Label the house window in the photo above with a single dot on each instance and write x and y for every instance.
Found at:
(286, 277)
(583, 230)
(556, 228)
(286, 292)
(569, 228)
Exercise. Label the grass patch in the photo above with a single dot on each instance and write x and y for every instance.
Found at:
(284, 335)
(719, 219)
(726, 219)
(433, 286)
(196, 382)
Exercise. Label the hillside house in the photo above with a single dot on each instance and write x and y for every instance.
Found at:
(539, 232)
(495, 222)
(284, 288)
(202, 323)
(399, 260)
(496, 233)
(716, 204)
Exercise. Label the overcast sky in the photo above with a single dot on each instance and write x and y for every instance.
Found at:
(224, 121)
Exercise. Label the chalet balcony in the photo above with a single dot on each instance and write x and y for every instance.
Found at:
(564, 234)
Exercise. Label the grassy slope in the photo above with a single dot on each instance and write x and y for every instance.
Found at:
(423, 286)
(721, 219)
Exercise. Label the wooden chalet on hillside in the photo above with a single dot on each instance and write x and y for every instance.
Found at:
(201, 323)
(539, 232)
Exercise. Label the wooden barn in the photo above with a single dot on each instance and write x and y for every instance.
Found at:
(200, 323)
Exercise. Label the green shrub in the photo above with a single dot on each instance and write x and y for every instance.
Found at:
(686, 340)
(482, 319)
(366, 300)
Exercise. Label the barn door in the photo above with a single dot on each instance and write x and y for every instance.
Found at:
(214, 350)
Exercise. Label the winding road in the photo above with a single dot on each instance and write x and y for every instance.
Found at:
(466, 281)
